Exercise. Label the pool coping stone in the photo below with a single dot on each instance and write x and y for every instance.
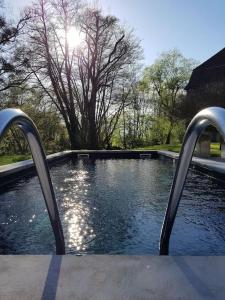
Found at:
(214, 167)
(11, 172)
(108, 277)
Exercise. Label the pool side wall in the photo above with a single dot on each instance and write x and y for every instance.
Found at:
(13, 172)
(212, 167)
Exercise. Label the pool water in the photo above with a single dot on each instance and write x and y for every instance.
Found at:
(114, 207)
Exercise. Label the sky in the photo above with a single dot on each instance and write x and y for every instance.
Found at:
(195, 27)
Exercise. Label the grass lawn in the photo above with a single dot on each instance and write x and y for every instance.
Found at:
(174, 148)
(9, 159)
(214, 148)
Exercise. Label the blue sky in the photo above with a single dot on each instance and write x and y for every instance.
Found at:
(195, 27)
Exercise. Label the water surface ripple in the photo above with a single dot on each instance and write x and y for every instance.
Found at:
(114, 207)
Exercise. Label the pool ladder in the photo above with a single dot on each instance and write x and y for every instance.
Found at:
(16, 117)
(210, 116)
(214, 116)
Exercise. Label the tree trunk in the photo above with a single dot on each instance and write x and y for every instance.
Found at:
(92, 142)
(168, 138)
(74, 136)
(74, 141)
(124, 130)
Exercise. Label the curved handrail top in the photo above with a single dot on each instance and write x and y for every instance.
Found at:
(12, 115)
(214, 116)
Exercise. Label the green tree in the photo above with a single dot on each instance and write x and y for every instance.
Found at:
(136, 117)
(33, 102)
(166, 80)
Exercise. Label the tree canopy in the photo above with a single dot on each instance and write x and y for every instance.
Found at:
(89, 83)
(81, 69)
(167, 78)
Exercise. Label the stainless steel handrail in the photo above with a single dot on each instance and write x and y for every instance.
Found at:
(9, 117)
(210, 116)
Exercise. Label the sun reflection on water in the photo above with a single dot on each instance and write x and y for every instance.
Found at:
(76, 214)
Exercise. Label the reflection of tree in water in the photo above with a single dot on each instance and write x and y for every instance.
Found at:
(204, 203)
(25, 227)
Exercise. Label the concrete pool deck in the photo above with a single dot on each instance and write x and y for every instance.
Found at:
(211, 166)
(111, 277)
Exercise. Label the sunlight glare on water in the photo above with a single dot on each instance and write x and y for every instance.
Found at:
(77, 213)
(114, 207)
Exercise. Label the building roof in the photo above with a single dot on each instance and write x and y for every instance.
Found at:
(212, 70)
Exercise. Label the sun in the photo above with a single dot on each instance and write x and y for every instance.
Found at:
(75, 37)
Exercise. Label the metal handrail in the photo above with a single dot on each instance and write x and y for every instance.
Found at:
(210, 116)
(9, 117)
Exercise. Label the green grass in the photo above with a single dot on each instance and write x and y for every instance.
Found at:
(174, 148)
(9, 159)
(214, 148)
(214, 151)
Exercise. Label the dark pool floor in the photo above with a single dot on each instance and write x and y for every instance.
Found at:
(114, 207)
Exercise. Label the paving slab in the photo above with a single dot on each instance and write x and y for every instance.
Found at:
(102, 277)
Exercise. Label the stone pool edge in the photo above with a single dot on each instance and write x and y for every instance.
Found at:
(212, 167)
(108, 277)
(12, 172)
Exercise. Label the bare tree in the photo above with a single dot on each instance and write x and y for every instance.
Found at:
(50, 59)
(11, 64)
(105, 63)
(89, 83)
(137, 116)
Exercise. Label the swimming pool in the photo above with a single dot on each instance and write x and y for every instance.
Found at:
(114, 206)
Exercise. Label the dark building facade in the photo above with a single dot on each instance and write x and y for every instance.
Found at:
(206, 86)
(211, 71)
